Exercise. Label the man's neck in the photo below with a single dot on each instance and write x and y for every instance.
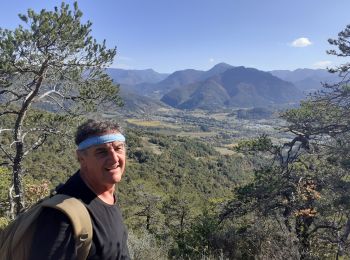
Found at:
(106, 194)
(108, 198)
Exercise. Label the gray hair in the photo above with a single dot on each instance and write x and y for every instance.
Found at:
(93, 127)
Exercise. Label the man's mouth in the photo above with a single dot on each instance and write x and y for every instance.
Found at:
(112, 167)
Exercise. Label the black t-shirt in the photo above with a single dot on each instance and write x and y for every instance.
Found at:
(53, 239)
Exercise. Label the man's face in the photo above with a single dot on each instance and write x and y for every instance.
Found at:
(103, 165)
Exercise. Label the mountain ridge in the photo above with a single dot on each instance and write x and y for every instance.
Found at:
(307, 80)
(190, 88)
(236, 87)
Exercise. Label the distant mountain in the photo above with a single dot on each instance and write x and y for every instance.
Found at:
(307, 80)
(151, 83)
(174, 80)
(139, 104)
(221, 86)
(178, 79)
(235, 87)
(217, 69)
(133, 77)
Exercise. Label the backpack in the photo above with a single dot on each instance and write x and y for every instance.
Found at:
(15, 239)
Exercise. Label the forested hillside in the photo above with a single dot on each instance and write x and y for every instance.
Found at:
(170, 182)
(195, 187)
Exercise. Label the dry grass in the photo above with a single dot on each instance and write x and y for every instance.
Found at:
(153, 147)
(196, 134)
(151, 123)
(145, 123)
(219, 116)
(224, 151)
(231, 145)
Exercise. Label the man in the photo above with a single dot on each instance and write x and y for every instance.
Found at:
(102, 158)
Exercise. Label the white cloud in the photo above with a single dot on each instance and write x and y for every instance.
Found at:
(322, 64)
(301, 42)
(211, 60)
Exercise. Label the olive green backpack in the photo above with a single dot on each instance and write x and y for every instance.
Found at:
(15, 239)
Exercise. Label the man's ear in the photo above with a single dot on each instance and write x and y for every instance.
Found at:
(80, 156)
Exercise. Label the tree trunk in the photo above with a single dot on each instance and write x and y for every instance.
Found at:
(342, 239)
(302, 227)
(17, 179)
(148, 222)
(18, 198)
(12, 213)
(17, 171)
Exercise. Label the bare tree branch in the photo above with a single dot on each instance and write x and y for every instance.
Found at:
(10, 92)
(8, 155)
(9, 112)
(41, 140)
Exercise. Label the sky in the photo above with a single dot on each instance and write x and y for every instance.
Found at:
(171, 35)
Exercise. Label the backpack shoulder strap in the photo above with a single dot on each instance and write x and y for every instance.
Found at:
(80, 218)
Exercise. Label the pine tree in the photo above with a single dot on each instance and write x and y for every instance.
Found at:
(51, 62)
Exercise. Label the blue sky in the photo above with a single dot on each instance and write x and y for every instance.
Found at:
(170, 35)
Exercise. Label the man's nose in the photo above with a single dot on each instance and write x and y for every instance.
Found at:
(113, 156)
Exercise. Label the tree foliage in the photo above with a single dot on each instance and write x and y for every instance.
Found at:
(51, 62)
(303, 185)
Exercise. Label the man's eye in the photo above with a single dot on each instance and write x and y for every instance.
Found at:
(119, 148)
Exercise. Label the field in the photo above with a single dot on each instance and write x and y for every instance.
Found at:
(150, 123)
(222, 129)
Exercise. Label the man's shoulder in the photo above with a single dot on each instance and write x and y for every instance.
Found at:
(75, 187)
(73, 183)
